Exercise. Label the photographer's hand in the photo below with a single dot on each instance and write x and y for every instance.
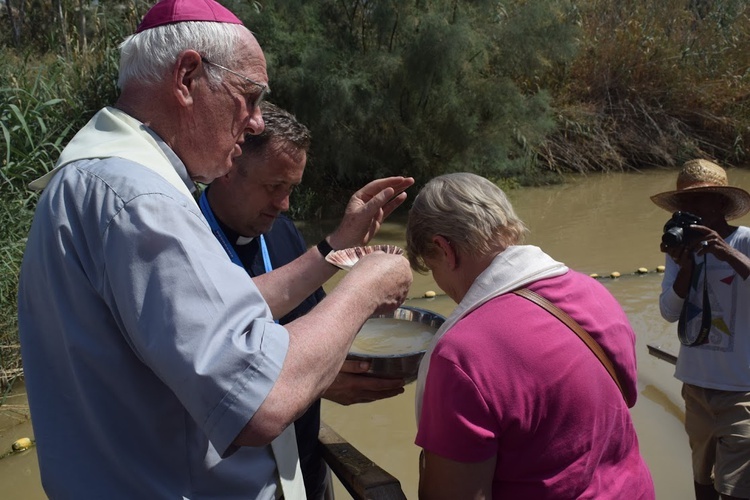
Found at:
(683, 257)
(712, 243)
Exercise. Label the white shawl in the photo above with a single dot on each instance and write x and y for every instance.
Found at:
(515, 267)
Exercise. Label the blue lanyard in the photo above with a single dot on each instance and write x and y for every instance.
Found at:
(266, 257)
(209, 214)
(216, 229)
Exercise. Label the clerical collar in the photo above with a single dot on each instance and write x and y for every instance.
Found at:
(225, 235)
(233, 235)
(244, 240)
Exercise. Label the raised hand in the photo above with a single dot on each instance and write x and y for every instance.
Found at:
(366, 210)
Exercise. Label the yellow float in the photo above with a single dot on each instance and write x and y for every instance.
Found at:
(22, 444)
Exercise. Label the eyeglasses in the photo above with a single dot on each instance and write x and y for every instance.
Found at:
(263, 88)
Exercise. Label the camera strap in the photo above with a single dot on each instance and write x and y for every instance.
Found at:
(702, 337)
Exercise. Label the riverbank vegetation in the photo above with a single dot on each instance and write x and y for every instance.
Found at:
(519, 91)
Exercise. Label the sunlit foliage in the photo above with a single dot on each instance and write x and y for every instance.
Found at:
(418, 88)
(516, 90)
(656, 82)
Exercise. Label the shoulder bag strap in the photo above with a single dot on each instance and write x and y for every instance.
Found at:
(577, 329)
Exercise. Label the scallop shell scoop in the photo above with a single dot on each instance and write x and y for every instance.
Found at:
(346, 258)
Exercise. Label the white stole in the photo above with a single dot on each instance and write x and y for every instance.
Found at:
(114, 133)
(285, 452)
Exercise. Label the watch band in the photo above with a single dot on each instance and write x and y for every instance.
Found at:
(324, 247)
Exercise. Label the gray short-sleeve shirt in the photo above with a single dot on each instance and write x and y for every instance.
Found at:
(145, 349)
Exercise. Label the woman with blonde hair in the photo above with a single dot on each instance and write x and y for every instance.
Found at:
(510, 402)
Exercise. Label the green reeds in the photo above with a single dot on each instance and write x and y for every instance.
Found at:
(34, 125)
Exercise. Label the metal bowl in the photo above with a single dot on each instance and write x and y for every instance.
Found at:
(401, 365)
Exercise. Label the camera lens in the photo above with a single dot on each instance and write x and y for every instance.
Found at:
(673, 237)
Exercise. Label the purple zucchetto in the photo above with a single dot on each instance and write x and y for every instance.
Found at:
(176, 11)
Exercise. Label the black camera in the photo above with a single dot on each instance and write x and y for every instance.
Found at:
(677, 230)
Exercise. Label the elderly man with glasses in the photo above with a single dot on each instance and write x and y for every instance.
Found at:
(142, 342)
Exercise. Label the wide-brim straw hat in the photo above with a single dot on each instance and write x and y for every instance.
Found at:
(703, 176)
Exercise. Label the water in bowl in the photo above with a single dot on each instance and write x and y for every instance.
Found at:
(391, 337)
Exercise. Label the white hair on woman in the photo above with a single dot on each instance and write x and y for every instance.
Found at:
(148, 56)
(468, 210)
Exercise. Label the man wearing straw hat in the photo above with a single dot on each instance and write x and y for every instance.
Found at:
(153, 366)
(705, 288)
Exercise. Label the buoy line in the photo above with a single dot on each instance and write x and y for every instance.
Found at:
(641, 271)
(638, 272)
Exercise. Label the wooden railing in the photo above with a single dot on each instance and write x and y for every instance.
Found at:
(662, 354)
(362, 478)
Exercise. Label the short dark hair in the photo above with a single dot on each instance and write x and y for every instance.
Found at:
(281, 126)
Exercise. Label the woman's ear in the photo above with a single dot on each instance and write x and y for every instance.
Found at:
(445, 251)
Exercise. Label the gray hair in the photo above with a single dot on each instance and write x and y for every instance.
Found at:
(469, 211)
(148, 56)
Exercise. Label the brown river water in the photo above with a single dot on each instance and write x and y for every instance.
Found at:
(595, 224)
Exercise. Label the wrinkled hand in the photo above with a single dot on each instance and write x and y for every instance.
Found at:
(350, 387)
(366, 210)
(711, 242)
(387, 278)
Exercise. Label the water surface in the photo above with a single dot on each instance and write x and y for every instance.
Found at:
(597, 224)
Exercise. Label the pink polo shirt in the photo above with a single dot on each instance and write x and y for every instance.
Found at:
(511, 380)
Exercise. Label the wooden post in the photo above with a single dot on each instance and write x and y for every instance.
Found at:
(361, 477)
(662, 354)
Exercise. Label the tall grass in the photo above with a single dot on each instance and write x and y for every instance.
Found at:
(656, 83)
(42, 104)
(45, 97)
(32, 136)
(33, 130)
(11, 251)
